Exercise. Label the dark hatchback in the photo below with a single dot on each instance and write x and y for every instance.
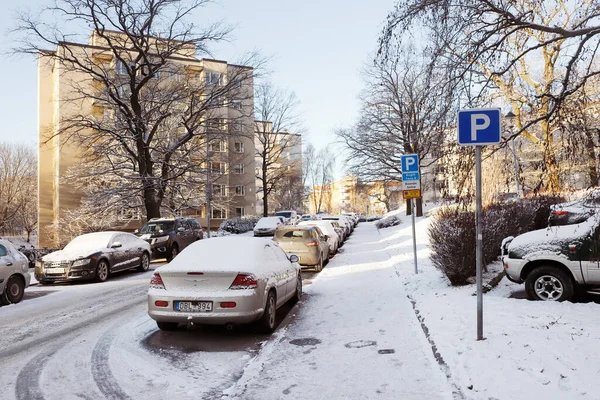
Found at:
(168, 236)
(574, 212)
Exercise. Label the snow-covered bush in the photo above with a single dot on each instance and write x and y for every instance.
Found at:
(452, 233)
(239, 225)
(392, 220)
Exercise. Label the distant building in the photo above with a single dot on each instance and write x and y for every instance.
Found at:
(233, 157)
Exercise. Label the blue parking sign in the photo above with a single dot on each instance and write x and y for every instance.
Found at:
(478, 127)
(410, 163)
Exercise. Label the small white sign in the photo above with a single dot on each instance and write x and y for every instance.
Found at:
(411, 185)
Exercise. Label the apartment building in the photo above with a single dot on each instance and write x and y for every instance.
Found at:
(231, 148)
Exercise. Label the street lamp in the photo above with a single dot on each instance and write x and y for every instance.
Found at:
(510, 117)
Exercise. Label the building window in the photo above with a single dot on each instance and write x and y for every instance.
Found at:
(218, 146)
(214, 78)
(218, 167)
(121, 69)
(240, 212)
(240, 190)
(218, 213)
(238, 169)
(236, 82)
(219, 190)
(238, 147)
(217, 124)
(236, 104)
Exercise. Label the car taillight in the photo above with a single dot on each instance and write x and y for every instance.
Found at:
(560, 212)
(312, 243)
(243, 281)
(156, 282)
(228, 304)
(161, 303)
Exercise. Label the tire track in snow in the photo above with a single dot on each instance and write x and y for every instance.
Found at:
(28, 381)
(101, 372)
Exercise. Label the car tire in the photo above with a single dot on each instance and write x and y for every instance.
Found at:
(266, 323)
(549, 284)
(13, 291)
(167, 326)
(102, 271)
(173, 252)
(298, 295)
(319, 265)
(144, 262)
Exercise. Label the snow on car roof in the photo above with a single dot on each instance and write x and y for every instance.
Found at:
(542, 239)
(229, 253)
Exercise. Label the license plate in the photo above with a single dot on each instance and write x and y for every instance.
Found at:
(55, 270)
(193, 306)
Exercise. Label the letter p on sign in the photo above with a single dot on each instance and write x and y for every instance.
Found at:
(479, 127)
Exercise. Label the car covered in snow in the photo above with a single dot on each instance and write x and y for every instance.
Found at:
(94, 256)
(333, 239)
(555, 263)
(575, 211)
(208, 283)
(14, 273)
(266, 226)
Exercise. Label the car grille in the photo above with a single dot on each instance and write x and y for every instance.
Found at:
(57, 264)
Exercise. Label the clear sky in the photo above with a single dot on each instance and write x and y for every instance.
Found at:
(317, 47)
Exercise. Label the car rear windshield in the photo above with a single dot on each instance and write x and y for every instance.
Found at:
(155, 227)
(284, 214)
(293, 234)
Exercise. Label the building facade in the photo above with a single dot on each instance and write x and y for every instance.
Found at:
(231, 181)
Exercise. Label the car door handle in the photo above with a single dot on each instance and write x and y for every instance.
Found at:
(8, 263)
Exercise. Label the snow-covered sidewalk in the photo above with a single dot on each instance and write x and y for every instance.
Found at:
(356, 336)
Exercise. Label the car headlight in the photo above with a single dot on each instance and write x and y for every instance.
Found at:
(80, 263)
(162, 239)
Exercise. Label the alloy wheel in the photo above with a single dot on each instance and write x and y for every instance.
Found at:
(548, 287)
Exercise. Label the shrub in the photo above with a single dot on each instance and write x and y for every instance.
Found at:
(239, 225)
(452, 233)
(392, 220)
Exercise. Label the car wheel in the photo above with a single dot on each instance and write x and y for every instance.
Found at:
(14, 290)
(31, 258)
(102, 271)
(319, 265)
(173, 253)
(298, 295)
(167, 326)
(266, 323)
(144, 263)
(549, 284)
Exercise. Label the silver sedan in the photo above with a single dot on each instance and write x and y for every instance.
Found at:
(225, 281)
(14, 273)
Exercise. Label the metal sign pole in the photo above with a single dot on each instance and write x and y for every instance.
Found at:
(412, 204)
(479, 240)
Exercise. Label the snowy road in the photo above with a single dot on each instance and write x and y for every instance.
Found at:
(95, 341)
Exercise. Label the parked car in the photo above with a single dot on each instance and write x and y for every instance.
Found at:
(362, 218)
(289, 216)
(196, 228)
(307, 242)
(168, 236)
(14, 273)
(26, 248)
(555, 262)
(211, 284)
(327, 228)
(266, 226)
(343, 221)
(574, 212)
(94, 256)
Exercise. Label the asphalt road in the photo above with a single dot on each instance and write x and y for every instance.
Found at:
(95, 341)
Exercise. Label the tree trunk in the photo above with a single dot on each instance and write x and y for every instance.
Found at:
(265, 201)
(408, 207)
(591, 154)
(419, 207)
(152, 203)
(552, 173)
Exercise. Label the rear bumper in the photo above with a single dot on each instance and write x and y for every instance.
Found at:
(249, 307)
(307, 257)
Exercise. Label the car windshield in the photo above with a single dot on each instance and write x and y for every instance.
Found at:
(91, 240)
(156, 227)
(284, 214)
(293, 234)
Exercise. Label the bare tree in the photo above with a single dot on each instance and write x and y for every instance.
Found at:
(153, 108)
(319, 177)
(279, 151)
(491, 46)
(406, 109)
(17, 193)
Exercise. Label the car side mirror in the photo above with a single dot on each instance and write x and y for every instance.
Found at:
(116, 245)
(294, 258)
